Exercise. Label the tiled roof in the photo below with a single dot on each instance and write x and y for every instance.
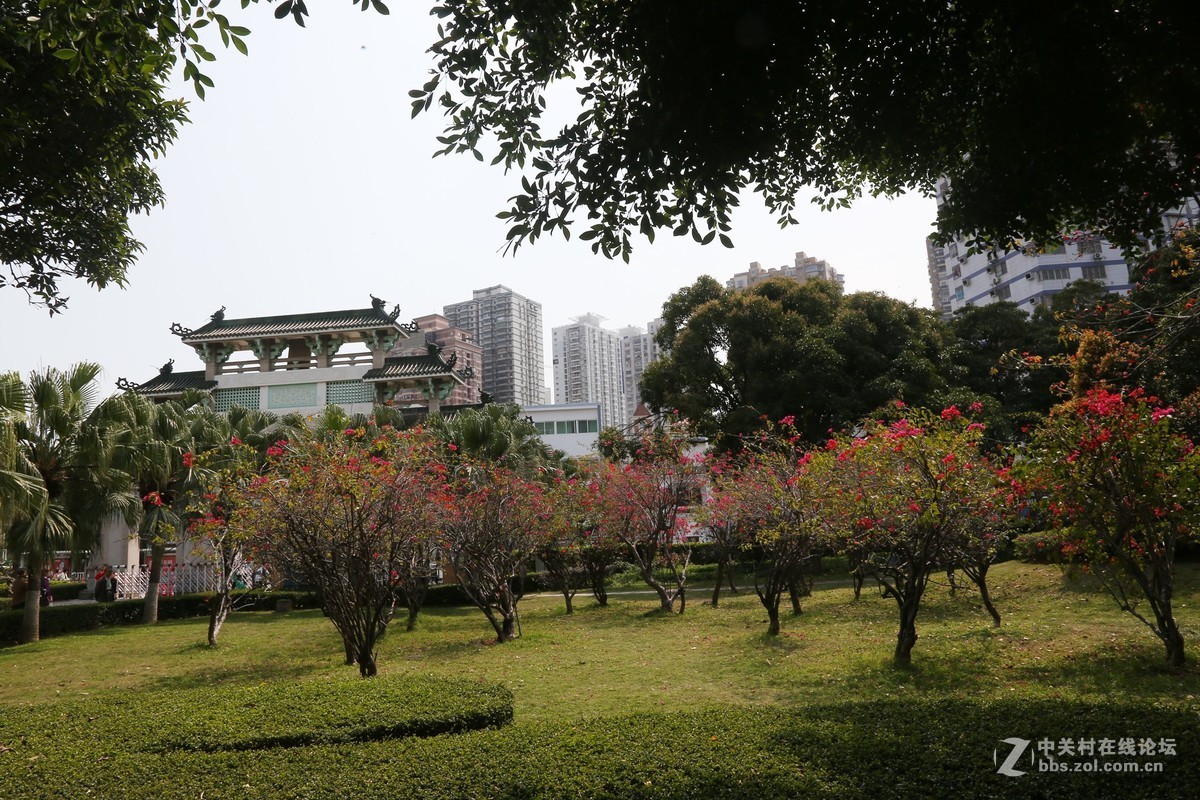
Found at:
(431, 365)
(292, 325)
(173, 383)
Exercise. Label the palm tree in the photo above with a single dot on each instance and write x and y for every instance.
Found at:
(150, 444)
(62, 438)
(20, 484)
(495, 433)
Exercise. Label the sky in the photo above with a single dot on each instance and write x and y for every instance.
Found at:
(303, 184)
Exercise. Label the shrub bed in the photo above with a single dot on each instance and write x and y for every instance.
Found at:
(57, 620)
(936, 748)
(255, 717)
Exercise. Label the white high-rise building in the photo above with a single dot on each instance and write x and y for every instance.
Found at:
(1030, 275)
(638, 350)
(939, 277)
(587, 368)
(508, 328)
(805, 268)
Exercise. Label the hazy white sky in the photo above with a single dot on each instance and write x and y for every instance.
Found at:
(302, 184)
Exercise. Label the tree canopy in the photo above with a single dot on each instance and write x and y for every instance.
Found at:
(783, 349)
(1077, 114)
(86, 110)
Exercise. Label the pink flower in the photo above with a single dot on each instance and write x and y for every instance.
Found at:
(976, 407)
(951, 413)
(234, 440)
(188, 460)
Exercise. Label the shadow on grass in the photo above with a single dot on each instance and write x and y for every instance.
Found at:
(237, 675)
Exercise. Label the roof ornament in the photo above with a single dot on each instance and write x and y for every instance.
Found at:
(392, 317)
(219, 315)
(167, 368)
(377, 303)
(181, 331)
(126, 385)
(452, 360)
(408, 327)
(433, 348)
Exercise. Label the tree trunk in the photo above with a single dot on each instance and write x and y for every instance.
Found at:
(150, 609)
(950, 578)
(567, 598)
(412, 618)
(858, 584)
(666, 601)
(351, 654)
(729, 571)
(31, 622)
(1173, 640)
(601, 595)
(907, 637)
(794, 593)
(773, 619)
(682, 595)
(987, 599)
(716, 595)
(366, 664)
(508, 629)
(220, 611)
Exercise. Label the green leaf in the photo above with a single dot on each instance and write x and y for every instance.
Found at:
(283, 9)
(66, 55)
(380, 7)
(240, 45)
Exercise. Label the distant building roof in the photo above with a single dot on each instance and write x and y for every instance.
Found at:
(169, 384)
(429, 365)
(290, 326)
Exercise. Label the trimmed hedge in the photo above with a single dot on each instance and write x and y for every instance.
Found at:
(934, 748)
(224, 718)
(447, 594)
(57, 620)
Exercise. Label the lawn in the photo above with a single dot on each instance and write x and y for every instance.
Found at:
(1063, 643)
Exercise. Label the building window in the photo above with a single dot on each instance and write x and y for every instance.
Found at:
(958, 293)
(565, 426)
(1054, 274)
(1003, 292)
(1094, 272)
(1090, 246)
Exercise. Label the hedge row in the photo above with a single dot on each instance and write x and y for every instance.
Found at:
(216, 719)
(57, 620)
(935, 748)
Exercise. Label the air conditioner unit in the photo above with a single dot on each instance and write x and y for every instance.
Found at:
(1033, 301)
(1028, 276)
(996, 281)
(990, 268)
(1098, 256)
(992, 292)
(966, 281)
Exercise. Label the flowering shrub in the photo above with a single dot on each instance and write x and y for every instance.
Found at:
(916, 495)
(1113, 473)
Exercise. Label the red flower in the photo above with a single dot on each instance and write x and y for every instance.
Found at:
(188, 460)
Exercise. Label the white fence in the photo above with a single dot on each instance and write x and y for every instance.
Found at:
(175, 579)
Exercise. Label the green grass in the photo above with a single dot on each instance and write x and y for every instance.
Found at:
(1059, 639)
(621, 702)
